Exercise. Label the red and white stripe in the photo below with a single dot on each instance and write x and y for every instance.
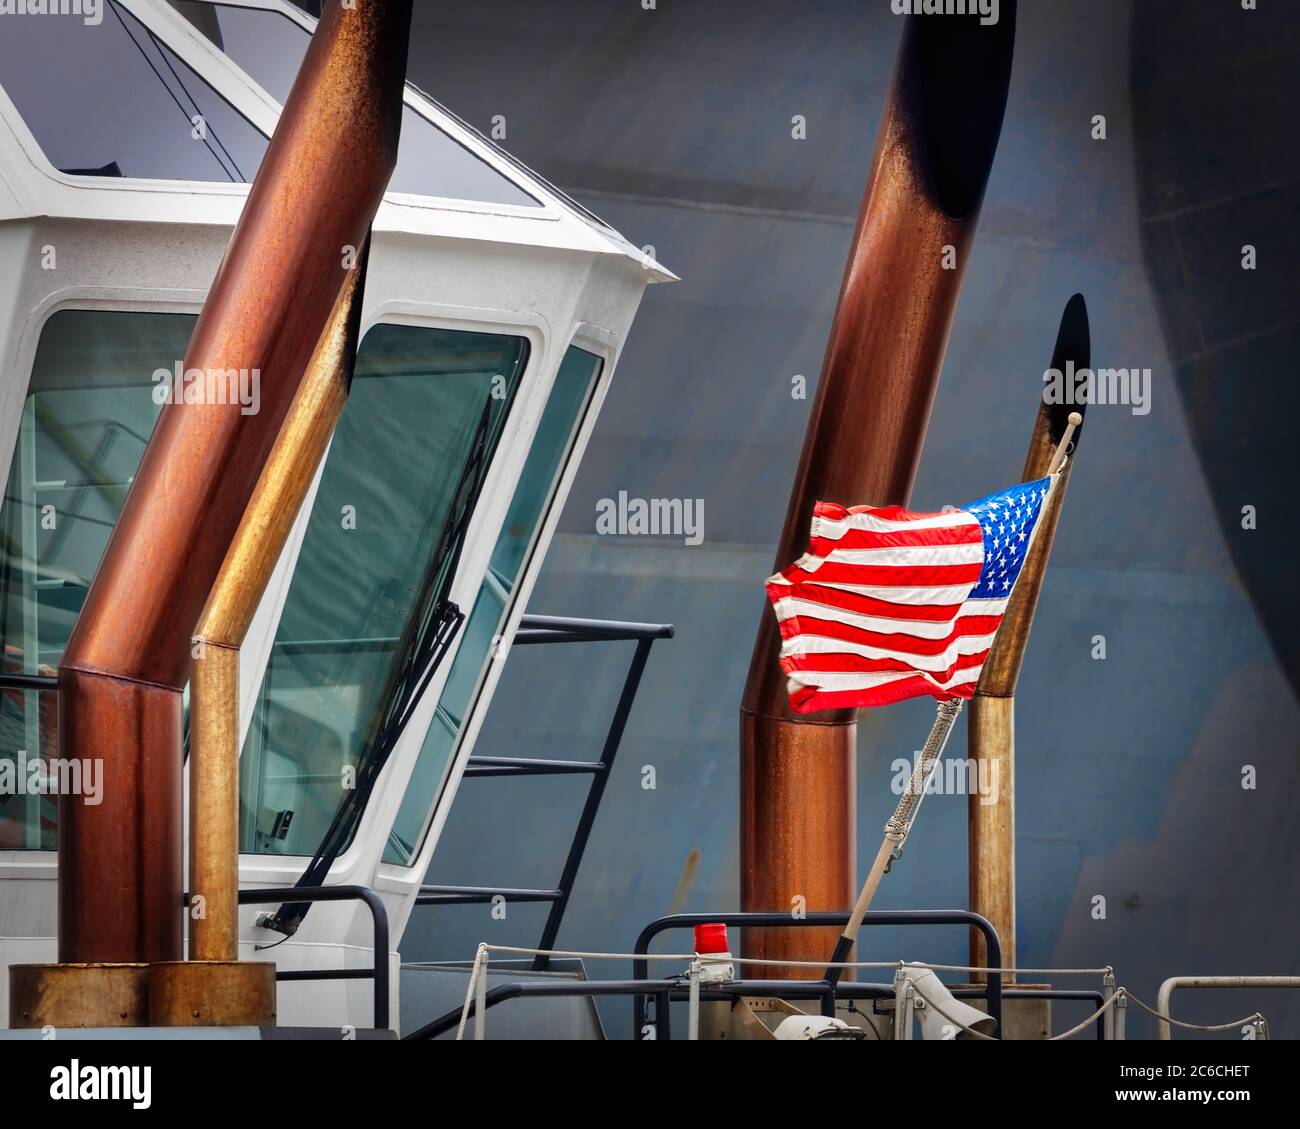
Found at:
(878, 609)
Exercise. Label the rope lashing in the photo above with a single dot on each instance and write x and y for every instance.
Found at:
(900, 823)
(475, 991)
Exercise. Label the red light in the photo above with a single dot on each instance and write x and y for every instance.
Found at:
(711, 938)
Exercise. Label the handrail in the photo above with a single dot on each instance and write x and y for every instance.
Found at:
(992, 991)
(378, 913)
(1086, 995)
(664, 990)
(1167, 989)
(566, 629)
(481, 895)
(536, 629)
(40, 682)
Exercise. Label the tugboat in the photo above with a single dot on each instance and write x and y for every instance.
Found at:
(289, 590)
(494, 312)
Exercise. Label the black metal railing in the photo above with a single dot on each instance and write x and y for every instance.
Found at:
(664, 991)
(43, 683)
(378, 972)
(830, 987)
(289, 895)
(538, 629)
(825, 991)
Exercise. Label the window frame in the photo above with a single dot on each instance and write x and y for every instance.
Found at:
(227, 81)
(414, 99)
(605, 346)
(435, 115)
(366, 846)
(248, 701)
(37, 862)
(247, 98)
(516, 440)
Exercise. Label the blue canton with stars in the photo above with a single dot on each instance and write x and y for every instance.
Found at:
(1007, 519)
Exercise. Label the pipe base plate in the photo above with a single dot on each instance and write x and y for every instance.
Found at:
(212, 993)
(78, 995)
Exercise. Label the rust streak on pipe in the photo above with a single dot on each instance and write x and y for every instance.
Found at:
(122, 674)
(863, 442)
(991, 728)
(214, 700)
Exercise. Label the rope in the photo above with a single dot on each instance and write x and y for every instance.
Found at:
(1124, 993)
(480, 961)
(479, 970)
(1096, 1015)
(1256, 1018)
(1023, 971)
(774, 963)
(900, 823)
(591, 956)
(1120, 993)
(958, 1023)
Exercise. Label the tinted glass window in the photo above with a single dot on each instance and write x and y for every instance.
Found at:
(270, 46)
(109, 99)
(87, 417)
(417, 402)
(429, 163)
(532, 498)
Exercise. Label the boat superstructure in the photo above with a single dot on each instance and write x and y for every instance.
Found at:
(126, 150)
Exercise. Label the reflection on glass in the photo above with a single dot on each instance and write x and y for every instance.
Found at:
(532, 498)
(417, 401)
(109, 99)
(87, 417)
(429, 163)
(269, 47)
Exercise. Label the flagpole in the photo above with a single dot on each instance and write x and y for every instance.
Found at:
(1063, 447)
(898, 826)
(1004, 662)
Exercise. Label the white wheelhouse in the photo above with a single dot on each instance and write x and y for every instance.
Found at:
(551, 274)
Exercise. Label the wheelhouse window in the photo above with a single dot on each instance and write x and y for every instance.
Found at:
(85, 423)
(110, 99)
(556, 432)
(269, 47)
(425, 404)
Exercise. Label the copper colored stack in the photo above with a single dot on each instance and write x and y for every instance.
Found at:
(869, 418)
(282, 291)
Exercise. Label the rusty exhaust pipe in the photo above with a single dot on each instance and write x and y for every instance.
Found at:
(864, 439)
(214, 988)
(122, 675)
(227, 616)
(990, 730)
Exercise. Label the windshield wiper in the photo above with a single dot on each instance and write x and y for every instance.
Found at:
(428, 635)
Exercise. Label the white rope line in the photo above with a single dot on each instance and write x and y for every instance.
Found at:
(958, 1023)
(1093, 1018)
(1256, 1018)
(480, 959)
(774, 963)
(1125, 994)
(479, 970)
(1025, 971)
(1120, 993)
(593, 956)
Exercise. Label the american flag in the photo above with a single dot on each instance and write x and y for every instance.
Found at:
(888, 604)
